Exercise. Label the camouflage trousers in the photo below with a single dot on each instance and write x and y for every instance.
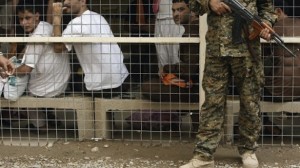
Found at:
(248, 78)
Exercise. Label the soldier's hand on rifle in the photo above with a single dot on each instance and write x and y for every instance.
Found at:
(219, 7)
(265, 34)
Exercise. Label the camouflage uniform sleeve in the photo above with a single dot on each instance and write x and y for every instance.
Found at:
(200, 7)
(265, 11)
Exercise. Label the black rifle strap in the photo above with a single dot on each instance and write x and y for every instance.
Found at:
(237, 28)
(251, 50)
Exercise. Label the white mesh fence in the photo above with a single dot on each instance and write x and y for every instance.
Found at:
(109, 86)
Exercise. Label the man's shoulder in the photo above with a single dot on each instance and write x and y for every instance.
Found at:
(289, 21)
(90, 14)
(43, 28)
(45, 24)
(287, 27)
(87, 16)
(193, 30)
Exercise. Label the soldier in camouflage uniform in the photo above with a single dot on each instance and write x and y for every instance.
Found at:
(224, 58)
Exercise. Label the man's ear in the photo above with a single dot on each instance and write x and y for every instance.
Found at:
(279, 11)
(37, 14)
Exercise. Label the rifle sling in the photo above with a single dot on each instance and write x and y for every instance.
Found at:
(251, 50)
(237, 28)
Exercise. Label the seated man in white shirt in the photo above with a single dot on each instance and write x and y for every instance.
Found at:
(49, 71)
(102, 63)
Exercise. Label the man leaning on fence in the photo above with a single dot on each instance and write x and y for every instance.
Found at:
(225, 57)
(49, 71)
(166, 27)
(102, 63)
(180, 83)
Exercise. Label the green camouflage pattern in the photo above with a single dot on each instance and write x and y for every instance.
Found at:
(223, 60)
(248, 75)
(219, 33)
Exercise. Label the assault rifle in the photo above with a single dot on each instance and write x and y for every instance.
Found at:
(256, 22)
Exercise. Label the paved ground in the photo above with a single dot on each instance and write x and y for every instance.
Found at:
(118, 154)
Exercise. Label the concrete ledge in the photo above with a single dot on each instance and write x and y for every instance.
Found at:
(82, 105)
(103, 117)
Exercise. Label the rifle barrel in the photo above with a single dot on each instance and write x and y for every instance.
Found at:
(283, 46)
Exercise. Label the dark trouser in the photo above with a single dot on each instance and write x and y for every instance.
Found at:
(248, 75)
(155, 90)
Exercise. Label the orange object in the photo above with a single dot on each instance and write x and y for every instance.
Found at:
(169, 79)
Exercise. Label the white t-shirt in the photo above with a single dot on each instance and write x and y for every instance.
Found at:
(102, 63)
(165, 10)
(51, 71)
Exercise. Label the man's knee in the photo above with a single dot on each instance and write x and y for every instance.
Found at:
(11, 96)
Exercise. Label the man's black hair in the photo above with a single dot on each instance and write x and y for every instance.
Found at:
(89, 4)
(185, 1)
(29, 5)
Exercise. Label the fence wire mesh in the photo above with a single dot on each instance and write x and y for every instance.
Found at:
(127, 72)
